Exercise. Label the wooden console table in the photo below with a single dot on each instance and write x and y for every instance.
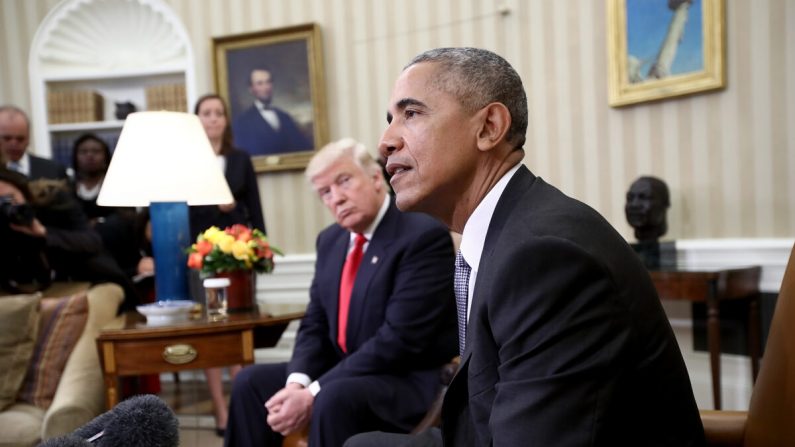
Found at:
(713, 286)
(140, 349)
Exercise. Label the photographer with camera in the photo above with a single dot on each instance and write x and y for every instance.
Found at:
(47, 237)
(23, 265)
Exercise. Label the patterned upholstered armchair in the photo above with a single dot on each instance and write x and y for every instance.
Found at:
(51, 351)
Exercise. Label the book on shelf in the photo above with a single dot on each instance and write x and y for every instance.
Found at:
(74, 106)
(169, 97)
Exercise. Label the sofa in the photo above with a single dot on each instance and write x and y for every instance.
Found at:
(76, 392)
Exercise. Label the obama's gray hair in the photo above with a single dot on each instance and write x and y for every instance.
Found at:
(478, 77)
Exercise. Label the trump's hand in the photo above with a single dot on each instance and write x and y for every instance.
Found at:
(289, 409)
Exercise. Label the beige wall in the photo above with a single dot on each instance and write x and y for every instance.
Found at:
(728, 157)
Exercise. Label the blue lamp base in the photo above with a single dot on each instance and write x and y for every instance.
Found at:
(170, 239)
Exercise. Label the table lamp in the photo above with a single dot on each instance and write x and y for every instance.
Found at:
(164, 160)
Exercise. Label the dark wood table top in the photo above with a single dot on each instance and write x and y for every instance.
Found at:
(693, 283)
(135, 326)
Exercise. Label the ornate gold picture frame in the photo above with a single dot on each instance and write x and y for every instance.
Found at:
(274, 85)
(664, 48)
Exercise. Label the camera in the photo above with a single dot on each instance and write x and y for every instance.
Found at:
(15, 213)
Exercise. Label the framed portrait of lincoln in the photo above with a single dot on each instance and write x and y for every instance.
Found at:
(273, 82)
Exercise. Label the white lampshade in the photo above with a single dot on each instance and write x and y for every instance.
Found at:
(163, 157)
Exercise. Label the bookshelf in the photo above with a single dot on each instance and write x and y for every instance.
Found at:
(80, 73)
(145, 90)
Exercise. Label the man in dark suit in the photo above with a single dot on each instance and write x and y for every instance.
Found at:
(369, 349)
(14, 139)
(565, 342)
(263, 129)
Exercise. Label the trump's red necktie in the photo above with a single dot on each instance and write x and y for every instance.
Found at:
(346, 286)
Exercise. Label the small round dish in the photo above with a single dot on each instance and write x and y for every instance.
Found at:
(166, 312)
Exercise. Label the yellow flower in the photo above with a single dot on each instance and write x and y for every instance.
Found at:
(235, 248)
(213, 234)
(225, 242)
(240, 250)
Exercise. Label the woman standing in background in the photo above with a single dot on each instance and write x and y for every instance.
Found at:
(246, 210)
(237, 167)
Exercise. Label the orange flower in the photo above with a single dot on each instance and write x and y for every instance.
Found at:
(240, 232)
(263, 252)
(234, 248)
(195, 260)
(203, 247)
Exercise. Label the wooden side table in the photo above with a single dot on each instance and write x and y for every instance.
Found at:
(139, 349)
(712, 287)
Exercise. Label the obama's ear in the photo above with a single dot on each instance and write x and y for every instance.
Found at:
(495, 120)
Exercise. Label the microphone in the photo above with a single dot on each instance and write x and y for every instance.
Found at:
(140, 421)
(66, 441)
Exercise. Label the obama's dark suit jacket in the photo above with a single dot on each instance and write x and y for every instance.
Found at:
(567, 343)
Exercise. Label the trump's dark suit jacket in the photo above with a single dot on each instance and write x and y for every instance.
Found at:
(257, 137)
(567, 344)
(402, 312)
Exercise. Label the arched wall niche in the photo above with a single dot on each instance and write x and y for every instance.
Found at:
(116, 48)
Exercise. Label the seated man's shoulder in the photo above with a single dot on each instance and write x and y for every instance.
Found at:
(53, 168)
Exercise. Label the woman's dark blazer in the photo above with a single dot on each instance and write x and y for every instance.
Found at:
(242, 181)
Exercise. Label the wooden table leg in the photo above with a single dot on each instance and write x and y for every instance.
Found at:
(754, 336)
(111, 391)
(109, 374)
(713, 340)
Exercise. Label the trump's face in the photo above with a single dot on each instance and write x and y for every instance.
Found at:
(353, 196)
(429, 145)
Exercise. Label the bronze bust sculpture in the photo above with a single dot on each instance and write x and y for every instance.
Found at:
(647, 203)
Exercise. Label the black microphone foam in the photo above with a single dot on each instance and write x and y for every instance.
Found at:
(66, 441)
(140, 421)
(95, 425)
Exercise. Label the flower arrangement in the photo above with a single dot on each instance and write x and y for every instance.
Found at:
(234, 248)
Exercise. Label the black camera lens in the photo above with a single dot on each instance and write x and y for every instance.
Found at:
(15, 213)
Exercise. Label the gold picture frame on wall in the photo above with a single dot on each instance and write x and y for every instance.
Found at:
(274, 85)
(664, 48)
